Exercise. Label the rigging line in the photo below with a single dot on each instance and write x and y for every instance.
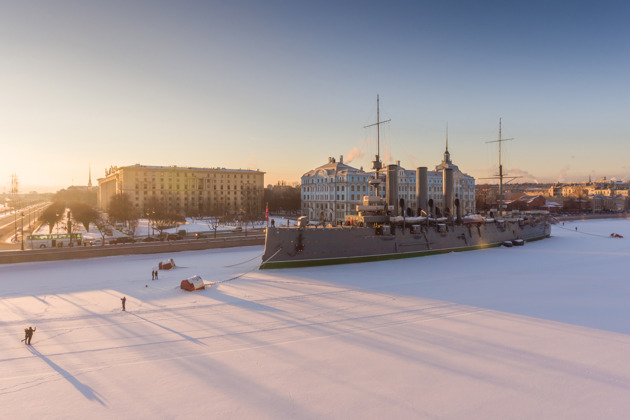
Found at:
(243, 262)
(247, 272)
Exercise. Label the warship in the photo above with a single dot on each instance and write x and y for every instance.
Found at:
(382, 230)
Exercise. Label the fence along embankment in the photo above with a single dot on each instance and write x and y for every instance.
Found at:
(57, 254)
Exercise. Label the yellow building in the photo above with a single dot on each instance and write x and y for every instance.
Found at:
(185, 190)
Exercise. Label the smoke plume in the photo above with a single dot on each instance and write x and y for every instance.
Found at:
(354, 153)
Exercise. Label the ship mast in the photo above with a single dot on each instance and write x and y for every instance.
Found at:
(377, 165)
(500, 168)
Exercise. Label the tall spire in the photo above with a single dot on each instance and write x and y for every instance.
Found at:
(447, 137)
(90, 177)
(447, 155)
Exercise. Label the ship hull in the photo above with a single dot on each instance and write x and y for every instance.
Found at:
(303, 247)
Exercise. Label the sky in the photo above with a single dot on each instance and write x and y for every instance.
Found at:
(280, 86)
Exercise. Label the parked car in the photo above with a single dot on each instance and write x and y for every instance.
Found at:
(122, 240)
(173, 237)
(149, 239)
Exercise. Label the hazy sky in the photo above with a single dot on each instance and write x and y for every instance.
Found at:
(282, 85)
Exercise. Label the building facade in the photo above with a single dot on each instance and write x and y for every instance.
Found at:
(185, 190)
(332, 191)
(464, 185)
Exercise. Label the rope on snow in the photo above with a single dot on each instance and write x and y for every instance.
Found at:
(243, 262)
(247, 272)
(586, 233)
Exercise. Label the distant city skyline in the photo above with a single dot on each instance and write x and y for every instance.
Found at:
(280, 86)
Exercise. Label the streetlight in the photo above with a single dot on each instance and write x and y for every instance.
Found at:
(22, 214)
(148, 214)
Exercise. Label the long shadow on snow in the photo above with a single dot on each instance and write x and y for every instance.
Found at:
(87, 392)
(236, 301)
(187, 337)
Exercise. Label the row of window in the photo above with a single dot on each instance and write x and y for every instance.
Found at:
(187, 174)
(402, 179)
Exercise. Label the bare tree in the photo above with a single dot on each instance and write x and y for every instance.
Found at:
(167, 221)
(84, 214)
(121, 210)
(52, 214)
(101, 224)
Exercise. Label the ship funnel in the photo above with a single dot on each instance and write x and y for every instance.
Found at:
(422, 189)
(392, 187)
(447, 190)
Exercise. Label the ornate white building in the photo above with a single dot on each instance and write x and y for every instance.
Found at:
(332, 191)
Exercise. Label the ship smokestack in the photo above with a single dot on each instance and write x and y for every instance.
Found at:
(460, 211)
(422, 189)
(392, 187)
(447, 190)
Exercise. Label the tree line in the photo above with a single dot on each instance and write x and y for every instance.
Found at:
(120, 211)
(78, 208)
(284, 198)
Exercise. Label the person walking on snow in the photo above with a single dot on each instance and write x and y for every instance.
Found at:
(124, 300)
(28, 335)
(152, 274)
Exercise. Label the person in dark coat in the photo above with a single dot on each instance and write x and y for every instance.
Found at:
(124, 300)
(28, 335)
(156, 274)
(152, 274)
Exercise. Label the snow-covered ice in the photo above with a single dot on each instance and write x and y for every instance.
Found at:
(540, 331)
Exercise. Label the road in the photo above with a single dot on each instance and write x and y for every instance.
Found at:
(11, 223)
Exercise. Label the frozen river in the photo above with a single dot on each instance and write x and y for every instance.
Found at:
(540, 331)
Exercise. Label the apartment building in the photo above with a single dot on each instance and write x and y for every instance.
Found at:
(185, 190)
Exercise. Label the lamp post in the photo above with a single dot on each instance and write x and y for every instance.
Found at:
(22, 214)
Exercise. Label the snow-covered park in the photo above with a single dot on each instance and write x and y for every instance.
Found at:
(204, 226)
(540, 331)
